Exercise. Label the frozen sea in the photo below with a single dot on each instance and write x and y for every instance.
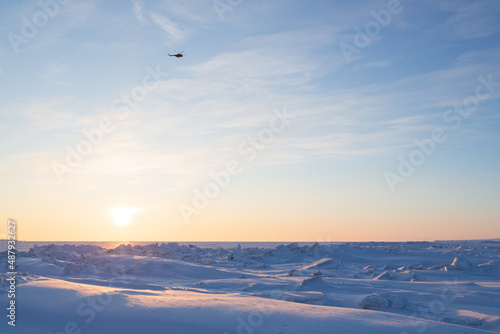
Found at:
(270, 287)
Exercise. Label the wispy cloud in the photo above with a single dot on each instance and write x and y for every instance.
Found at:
(1, 55)
(178, 21)
(286, 58)
(105, 46)
(372, 64)
(40, 115)
(71, 15)
(470, 19)
(138, 10)
(191, 11)
(478, 57)
(230, 96)
(53, 71)
(173, 30)
(56, 67)
(408, 120)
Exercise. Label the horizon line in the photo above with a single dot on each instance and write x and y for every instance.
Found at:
(279, 241)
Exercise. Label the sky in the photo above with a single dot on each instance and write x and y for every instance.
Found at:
(284, 121)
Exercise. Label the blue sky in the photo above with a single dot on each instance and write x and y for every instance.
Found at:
(323, 177)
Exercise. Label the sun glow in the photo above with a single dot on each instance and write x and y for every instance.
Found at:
(122, 215)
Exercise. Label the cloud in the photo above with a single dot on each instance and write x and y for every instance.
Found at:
(1, 54)
(178, 21)
(219, 102)
(194, 120)
(72, 15)
(106, 46)
(173, 31)
(288, 58)
(478, 57)
(189, 11)
(54, 68)
(40, 115)
(471, 19)
(373, 64)
(209, 108)
(138, 10)
(53, 71)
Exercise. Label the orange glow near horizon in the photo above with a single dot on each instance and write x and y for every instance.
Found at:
(119, 226)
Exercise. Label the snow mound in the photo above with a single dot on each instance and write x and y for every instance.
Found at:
(384, 275)
(308, 281)
(374, 301)
(78, 268)
(327, 263)
(463, 321)
(154, 285)
(406, 275)
(64, 252)
(377, 300)
(304, 297)
(461, 263)
(236, 254)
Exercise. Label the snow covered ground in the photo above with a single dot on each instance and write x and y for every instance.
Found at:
(414, 287)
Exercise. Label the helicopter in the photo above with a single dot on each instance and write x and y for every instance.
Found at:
(177, 55)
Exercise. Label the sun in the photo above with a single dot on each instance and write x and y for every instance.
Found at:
(122, 215)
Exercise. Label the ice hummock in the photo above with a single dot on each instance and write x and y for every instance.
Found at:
(290, 288)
